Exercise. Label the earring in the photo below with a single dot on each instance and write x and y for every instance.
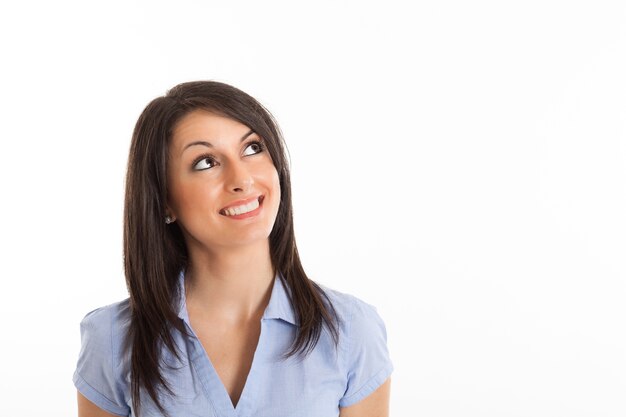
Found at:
(168, 219)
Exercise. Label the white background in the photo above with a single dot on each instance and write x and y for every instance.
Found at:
(459, 165)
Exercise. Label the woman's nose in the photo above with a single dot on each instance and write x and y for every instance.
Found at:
(239, 178)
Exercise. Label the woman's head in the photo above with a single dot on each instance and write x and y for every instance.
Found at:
(167, 171)
(223, 188)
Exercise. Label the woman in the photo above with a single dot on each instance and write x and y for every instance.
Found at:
(222, 319)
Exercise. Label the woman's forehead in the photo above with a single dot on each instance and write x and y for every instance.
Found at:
(213, 129)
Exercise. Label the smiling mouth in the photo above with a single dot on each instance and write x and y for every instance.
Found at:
(244, 208)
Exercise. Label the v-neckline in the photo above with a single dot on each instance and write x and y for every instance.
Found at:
(215, 389)
(220, 396)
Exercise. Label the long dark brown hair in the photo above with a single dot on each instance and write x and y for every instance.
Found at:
(155, 252)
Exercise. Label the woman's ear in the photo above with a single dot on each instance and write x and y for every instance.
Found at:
(170, 217)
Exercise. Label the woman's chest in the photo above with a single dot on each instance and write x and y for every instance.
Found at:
(231, 352)
(234, 380)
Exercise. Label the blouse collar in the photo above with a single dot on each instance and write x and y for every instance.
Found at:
(278, 307)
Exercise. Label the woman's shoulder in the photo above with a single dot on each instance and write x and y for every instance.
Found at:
(114, 316)
(107, 327)
(102, 373)
(347, 303)
(366, 356)
(354, 312)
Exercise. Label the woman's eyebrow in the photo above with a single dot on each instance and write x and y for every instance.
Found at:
(210, 145)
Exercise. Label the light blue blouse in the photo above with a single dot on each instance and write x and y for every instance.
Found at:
(325, 380)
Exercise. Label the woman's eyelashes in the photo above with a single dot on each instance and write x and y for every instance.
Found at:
(202, 163)
(207, 161)
(258, 146)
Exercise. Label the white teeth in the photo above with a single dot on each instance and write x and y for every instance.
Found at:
(233, 211)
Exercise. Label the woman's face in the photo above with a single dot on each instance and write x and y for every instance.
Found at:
(223, 187)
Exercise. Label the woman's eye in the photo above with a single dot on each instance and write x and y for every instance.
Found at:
(204, 163)
(256, 147)
(207, 162)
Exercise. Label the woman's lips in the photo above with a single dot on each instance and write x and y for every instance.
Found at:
(240, 203)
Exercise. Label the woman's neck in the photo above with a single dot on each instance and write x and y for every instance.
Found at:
(233, 285)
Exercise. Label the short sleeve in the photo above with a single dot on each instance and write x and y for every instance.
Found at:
(368, 361)
(97, 374)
